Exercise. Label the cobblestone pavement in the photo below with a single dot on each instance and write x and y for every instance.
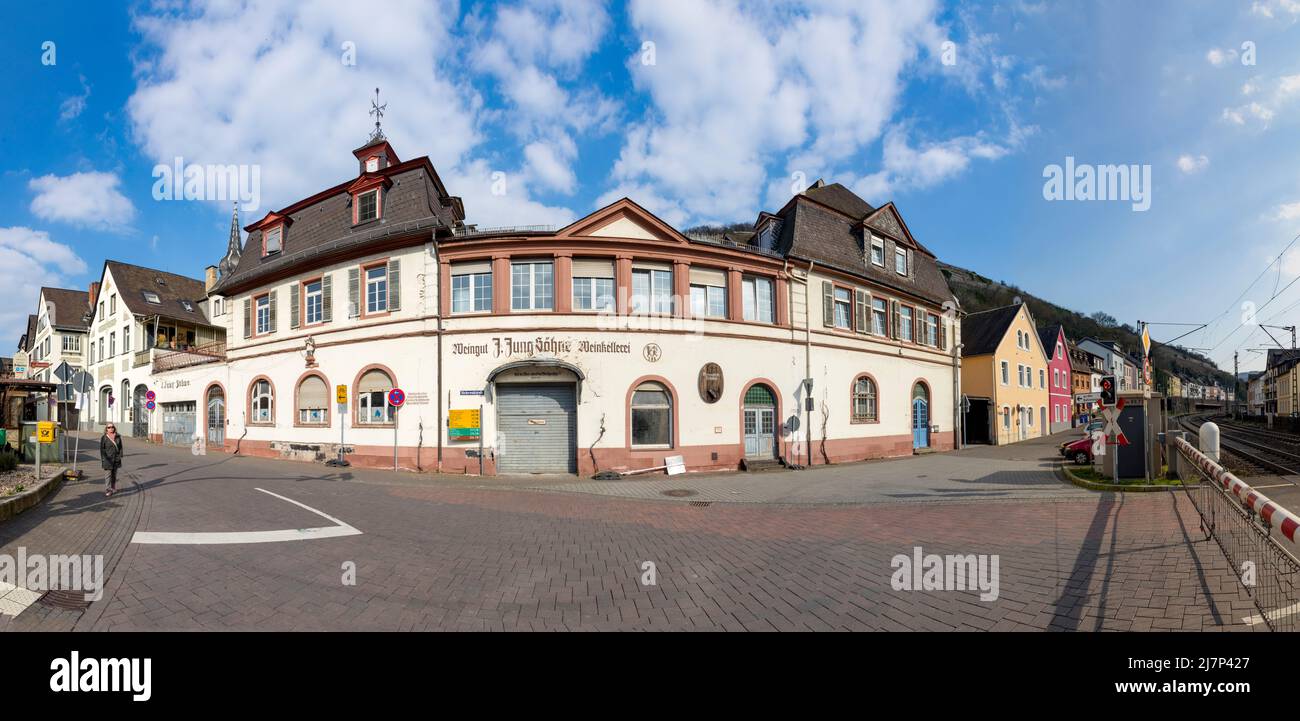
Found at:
(436, 554)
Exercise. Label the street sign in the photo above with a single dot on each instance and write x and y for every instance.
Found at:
(150, 405)
(341, 394)
(471, 393)
(396, 397)
(82, 381)
(464, 423)
(1108, 390)
(1114, 434)
(1146, 340)
(1087, 397)
(150, 395)
(45, 432)
(63, 372)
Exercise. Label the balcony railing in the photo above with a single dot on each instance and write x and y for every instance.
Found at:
(167, 359)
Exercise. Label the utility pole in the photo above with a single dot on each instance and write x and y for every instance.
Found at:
(1234, 381)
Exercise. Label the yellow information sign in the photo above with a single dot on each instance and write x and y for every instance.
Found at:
(341, 393)
(45, 432)
(468, 418)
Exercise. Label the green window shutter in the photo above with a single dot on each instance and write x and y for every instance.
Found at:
(327, 299)
(354, 292)
(394, 285)
(248, 318)
(271, 313)
(860, 306)
(294, 309)
(828, 304)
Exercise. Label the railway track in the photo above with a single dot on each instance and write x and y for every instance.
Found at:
(1250, 450)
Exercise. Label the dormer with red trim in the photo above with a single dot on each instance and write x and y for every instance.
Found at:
(367, 197)
(375, 156)
(273, 227)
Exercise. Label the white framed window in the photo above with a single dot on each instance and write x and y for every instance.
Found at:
(263, 304)
(471, 287)
(1020, 375)
(900, 261)
(313, 401)
(368, 205)
(932, 330)
(149, 297)
(273, 239)
(372, 164)
(708, 293)
(1006, 418)
(652, 290)
(843, 308)
(593, 285)
(377, 289)
(877, 251)
(1042, 378)
(532, 285)
(71, 344)
(372, 398)
(112, 344)
(262, 402)
(758, 299)
(112, 304)
(1006, 373)
(879, 316)
(313, 307)
(905, 323)
(126, 339)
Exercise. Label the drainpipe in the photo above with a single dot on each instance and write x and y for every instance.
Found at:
(807, 359)
(958, 425)
(438, 318)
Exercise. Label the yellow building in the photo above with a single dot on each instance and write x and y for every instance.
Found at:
(1003, 376)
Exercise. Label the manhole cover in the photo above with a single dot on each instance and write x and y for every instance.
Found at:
(71, 600)
(679, 492)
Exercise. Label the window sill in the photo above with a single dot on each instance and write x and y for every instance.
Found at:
(311, 425)
(260, 425)
(650, 448)
(373, 425)
(864, 421)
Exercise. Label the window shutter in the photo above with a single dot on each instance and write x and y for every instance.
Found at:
(943, 332)
(897, 316)
(327, 299)
(394, 285)
(293, 305)
(248, 318)
(271, 311)
(354, 292)
(861, 304)
(909, 262)
(828, 304)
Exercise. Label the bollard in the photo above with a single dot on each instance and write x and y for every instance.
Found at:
(1209, 441)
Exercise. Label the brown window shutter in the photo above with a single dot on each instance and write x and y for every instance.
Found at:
(294, 310)
(327, 299)
(248, 318)
(861, 306)
(828, 304)
(271, 320)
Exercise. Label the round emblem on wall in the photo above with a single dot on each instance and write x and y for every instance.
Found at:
(711, 383)
(652, 352)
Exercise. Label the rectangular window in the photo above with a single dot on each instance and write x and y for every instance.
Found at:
(932, 330)
(879, 316)
(652, 291)
(263, 314)
(1006, 373)
(877, 251)
(368, 206)
(708, 293)
(1042, 378)
(112, 304)
(757, 298)
(843, 308)
(905, 323)
(471, 287)
(71, 344)
(377, 289)
(900, 261)
(313, 303)
(112, 344)
(1020, 373)
(126, 339)
(273, 239)
(532, 286)
(593, 294)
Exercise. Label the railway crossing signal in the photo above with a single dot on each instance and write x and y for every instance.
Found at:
(1114, 434)
(1108, 390)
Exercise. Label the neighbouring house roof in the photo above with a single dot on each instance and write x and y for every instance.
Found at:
(1281, 356)
(1048, 335)
(70, 308)
(173, 290)
(982, 333)
(26, 342)
(1077, 364)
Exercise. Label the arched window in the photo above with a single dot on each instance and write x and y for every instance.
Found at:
(313, 401)
(864, 400)
(372, 406)
(652, 415)
(261, 402)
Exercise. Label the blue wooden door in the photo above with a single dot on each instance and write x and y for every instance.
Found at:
(920, 423)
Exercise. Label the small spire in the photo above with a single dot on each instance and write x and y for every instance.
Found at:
(377, 110)
(234, 247)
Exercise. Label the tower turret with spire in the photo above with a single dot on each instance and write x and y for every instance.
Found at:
(234, 247)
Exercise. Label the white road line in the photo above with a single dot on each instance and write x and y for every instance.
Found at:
(212, 538)
(1273, 615)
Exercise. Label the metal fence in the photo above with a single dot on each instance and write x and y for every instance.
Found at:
(1268, 572)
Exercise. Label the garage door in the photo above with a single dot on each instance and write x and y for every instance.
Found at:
(536, 428)
(178, 423)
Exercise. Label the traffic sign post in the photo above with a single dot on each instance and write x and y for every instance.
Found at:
(396, 398)
(341, 396)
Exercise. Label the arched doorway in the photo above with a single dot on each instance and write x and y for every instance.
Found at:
(760, 422)
(920, 415)
(216, 417)
(140, 427)
(105, 405)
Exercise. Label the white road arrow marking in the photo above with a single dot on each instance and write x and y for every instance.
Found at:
(293, 534)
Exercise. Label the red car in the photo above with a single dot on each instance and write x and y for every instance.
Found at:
(1079, 451)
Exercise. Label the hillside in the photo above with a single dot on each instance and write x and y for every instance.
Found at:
(976, 293)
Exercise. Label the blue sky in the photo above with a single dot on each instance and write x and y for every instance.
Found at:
(703, 111)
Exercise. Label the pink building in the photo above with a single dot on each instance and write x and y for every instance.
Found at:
(1060, 399)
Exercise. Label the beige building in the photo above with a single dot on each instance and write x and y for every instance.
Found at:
(1004, 376)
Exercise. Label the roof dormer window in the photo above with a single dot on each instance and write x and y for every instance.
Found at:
(152, 297)
(273, 240)
(367, 205)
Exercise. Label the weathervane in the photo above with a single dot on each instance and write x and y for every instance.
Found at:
(377, 110)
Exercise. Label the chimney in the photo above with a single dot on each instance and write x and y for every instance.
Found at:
(209, 278)
(94, 295)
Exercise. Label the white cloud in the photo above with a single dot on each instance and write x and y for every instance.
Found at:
(927, 164)
(1287, 212)
(1276, 9)
(549, 164)
(29, 260)
(263, 82)
(1285, 89)
(1192, 163)
(73, 106)
(1218, 58)
(89, 200)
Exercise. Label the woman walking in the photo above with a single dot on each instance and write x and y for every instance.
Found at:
(110, 456)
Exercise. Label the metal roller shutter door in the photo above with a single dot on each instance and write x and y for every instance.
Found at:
(536, 428)
(178, 423)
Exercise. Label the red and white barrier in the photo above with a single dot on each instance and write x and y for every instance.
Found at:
(1273, 514)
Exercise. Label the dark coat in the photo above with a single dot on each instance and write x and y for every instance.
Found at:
(110, 453)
